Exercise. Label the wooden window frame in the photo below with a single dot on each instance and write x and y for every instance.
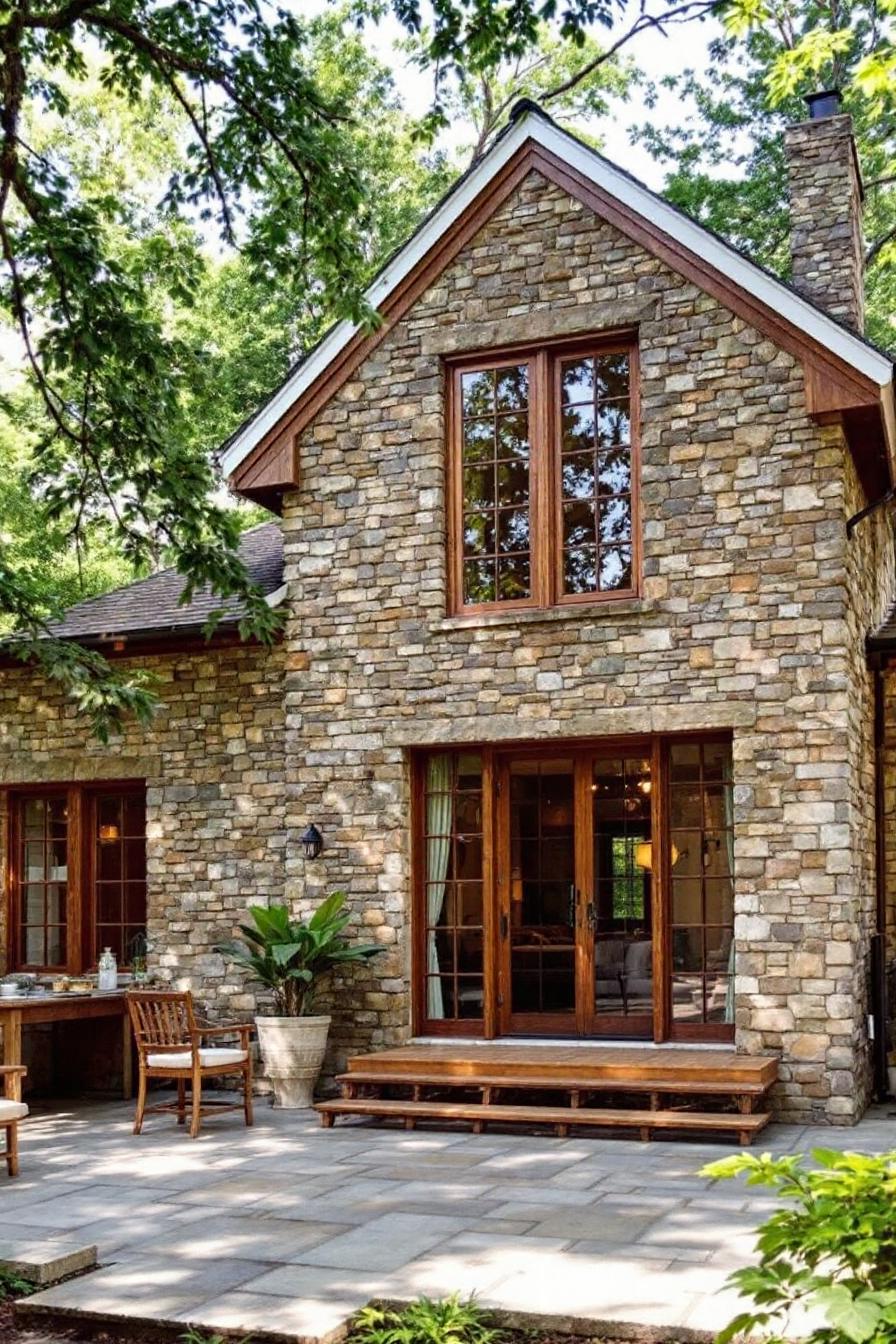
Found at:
(494, 857)
(81, 891)
(545, 466)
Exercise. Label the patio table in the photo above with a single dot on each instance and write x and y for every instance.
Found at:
(42, 1008)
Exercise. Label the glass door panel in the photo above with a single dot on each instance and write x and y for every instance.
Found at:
(619, 917)
(542, 895)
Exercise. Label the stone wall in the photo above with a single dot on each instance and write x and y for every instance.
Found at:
(752, 618)
(214, 770)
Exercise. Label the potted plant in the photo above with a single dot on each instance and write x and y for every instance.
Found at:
(292, 957)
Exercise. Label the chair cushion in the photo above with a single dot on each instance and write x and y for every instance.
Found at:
(637, 959)
(216, 1055)
(12, 1110)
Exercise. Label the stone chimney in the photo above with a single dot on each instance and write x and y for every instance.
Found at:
(826, 244)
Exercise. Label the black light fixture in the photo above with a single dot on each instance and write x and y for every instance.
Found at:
(312, 842)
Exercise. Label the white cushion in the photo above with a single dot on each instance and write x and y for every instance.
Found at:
(12, 1110)
(637, 959)
(219, 1055)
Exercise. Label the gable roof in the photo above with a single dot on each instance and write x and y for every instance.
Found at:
(150, 607)
(862, 363)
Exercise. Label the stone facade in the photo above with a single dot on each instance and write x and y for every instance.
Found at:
(826, 245)
(214, 770)
(752, 618)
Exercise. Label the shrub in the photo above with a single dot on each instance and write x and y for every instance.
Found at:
(833, 1249)
(442, 1321)
(13, 1285)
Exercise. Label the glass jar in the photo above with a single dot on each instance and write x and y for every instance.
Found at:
(107, 968)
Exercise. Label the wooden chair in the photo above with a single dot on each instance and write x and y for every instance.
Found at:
(12, 1110)
(170, 1045)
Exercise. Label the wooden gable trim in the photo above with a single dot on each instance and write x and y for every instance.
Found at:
(834, 390)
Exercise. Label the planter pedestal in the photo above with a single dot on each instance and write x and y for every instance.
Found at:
(292, 1052)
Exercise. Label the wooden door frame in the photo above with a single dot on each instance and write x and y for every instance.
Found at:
(496, 887)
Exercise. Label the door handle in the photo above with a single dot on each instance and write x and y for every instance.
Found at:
(590, 915)
(505, 925)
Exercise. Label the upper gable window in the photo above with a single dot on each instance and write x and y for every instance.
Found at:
(544, 485)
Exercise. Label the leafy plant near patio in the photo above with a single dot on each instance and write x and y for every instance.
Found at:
(427, 1321)
(292, 956)
(833, 1249)
(13, 1285)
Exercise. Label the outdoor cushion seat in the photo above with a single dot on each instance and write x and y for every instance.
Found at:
(12, 1110)
(214, 1056)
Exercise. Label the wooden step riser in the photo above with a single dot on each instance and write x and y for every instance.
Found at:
(730, 1081)
(572, 1082)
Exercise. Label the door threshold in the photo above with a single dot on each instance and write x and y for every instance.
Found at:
(586, 1043)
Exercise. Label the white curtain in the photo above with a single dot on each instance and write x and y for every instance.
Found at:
(728, 795)
(438, 855)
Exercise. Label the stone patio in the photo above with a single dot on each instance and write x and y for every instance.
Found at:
(289, 1228)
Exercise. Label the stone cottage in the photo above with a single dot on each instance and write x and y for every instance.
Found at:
(586, 572)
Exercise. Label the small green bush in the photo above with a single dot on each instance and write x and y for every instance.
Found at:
(13, 1285)
(443, 1321)
(833, 1248)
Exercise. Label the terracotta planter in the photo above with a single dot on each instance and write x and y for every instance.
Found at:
(292, 1052)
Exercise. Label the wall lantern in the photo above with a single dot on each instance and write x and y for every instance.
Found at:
(108, 834)
(312, 842)
(644, 855)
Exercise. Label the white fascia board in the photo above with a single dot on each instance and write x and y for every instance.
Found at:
(763, 287)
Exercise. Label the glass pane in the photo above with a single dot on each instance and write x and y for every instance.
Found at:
(512, 388)
(615, 568)
(613, 423)
(108, 861)
(111, 936)
(577, 376)
(56, 946)
(109, 812)
(687, 900)
(468, 771)
(135, 903)
(478, 392)
(719, 999)
(687, 949)
(35, 860)
(513, 437)
(470, 903)
(135, 859)
(686, 806)
(513, 483)
(134, 815)
(719, 900)
(716, 762)
(479, 487)
(578, 524)
(684, 762)
(57, 859)
(34, 817)
(479, 534)
(470, 997)
(108, 903)
(34, 904)
(687, 998)
(615, 520)
(580, 571)
(469, 951)
(578, 478)
(614, 472)
(479, 440)
(513, 578)
(479, 580)
(612, 375)
(578, 425)
(57, 895)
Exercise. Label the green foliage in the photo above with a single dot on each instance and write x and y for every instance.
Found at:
(725, 151)
(833, 1250)
(292, 956)
(426, 1321)
(193, 1336)
(13, 1285)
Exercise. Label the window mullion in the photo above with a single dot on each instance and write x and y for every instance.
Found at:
(542, 481)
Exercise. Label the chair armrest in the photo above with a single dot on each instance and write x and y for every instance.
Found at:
(238, 1028)
(12, 1075)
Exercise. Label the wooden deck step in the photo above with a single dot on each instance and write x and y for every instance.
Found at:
(561, 1118)
(570, 1065)
(488, 1078)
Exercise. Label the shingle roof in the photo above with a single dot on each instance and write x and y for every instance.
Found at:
(151, 606)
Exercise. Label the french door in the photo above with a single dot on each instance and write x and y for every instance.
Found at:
(575, 892)
(584, 889)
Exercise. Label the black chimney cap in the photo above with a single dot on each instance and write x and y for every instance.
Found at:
(824, 104)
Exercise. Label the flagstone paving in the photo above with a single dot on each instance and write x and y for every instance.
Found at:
(290, 1228)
